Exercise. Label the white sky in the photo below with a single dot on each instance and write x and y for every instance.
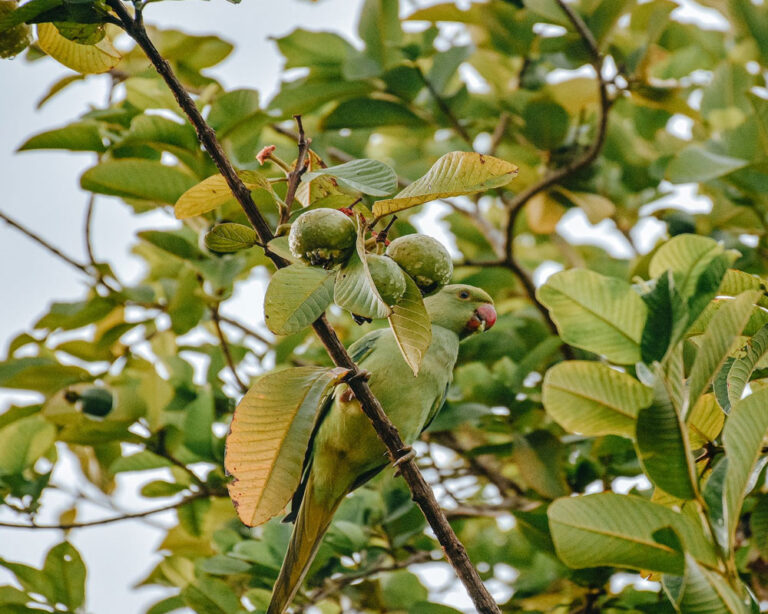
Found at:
(40, 189)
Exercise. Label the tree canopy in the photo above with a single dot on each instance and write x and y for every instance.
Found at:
(611, 427)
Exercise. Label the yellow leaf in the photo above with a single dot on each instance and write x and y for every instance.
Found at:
(213, 192)
(455, 174)
(411, 326)
(596, 207)
(269, 436)
(543, 213)
(97, 58)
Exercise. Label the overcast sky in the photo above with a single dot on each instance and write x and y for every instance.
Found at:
(40, 189)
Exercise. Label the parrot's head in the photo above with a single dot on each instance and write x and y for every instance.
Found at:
(462, 309)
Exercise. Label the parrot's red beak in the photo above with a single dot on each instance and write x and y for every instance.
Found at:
(483, 318)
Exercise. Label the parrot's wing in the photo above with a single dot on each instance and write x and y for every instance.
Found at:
(436, 408)
(361, 349)
(358, 351)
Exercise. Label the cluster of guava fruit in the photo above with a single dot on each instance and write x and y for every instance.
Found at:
(327, 237)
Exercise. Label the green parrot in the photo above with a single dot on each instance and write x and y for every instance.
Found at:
(345, 451)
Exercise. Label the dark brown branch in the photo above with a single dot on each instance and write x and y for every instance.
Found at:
(446, 110)
(95, 523)
(225, 348)
(205, 134)
(516, 204)
(590, 155)
(420, 490)
(42, 242)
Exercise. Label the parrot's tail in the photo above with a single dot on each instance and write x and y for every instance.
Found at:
(312, 522)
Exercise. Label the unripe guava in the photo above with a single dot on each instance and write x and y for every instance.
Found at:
(93, 401)
(15, 40)
(324, 237)
(387, 277)
(426, 261)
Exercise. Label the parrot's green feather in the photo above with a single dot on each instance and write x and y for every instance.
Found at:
(344, 451)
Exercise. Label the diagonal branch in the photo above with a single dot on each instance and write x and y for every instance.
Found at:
(96, 523)
(225, 348)
(515, 205)
(445, 109)
(421, 493)
(42, 242)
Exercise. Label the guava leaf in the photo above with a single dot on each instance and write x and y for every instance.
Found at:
(663, 446)
(213, 192)
(355, 290)
(592, 399)
(89, 59)
(269, 436)
(296, 296)
(455, 174)
(366, 176)
(411, 325)
(600, 314)
(718, 341)
(613, 529)
(230, 237)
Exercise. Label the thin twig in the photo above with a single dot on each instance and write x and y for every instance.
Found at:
(421, 493)
(334, 152)
(332, 586)
(294, 177)
(445, 109)
(244, 329)
(95, 523)
(42, 242)
(87, 230)
(479, 465)
(225, 348)
(499, 132)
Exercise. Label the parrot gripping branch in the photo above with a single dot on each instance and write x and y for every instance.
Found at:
(421, 492)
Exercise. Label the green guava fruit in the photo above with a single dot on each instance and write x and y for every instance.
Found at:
(425, 260)
(387, 277)
(322, 237)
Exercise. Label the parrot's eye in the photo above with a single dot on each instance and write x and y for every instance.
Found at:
(464, 294)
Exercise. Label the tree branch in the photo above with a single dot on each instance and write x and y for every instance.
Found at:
(479, 465)
(95, 523)
(87, 229)
(516, 204)
(332, 586)
(596, 146)
(294, 177)
(42, 242)
(445, 109)
(420, 490)
(244, 329)
(334, 152)
(225, 348)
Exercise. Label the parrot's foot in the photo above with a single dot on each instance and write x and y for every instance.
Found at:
(403, 455)
(361, 374)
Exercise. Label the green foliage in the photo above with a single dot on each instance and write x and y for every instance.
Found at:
(660, 389)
